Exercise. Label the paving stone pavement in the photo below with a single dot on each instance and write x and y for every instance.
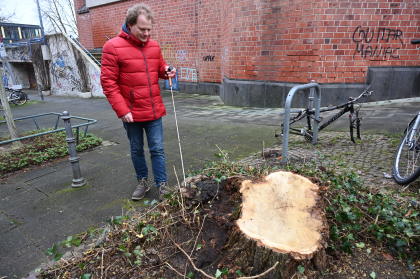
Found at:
(371, 157)
(39, 208)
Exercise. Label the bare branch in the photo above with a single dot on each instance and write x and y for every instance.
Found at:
(60, 15)
(5, 17)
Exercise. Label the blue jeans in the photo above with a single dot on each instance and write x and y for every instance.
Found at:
(154, 135)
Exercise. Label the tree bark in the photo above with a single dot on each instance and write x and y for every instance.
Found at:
(8, 113)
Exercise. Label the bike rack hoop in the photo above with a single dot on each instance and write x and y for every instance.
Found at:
(315, 89)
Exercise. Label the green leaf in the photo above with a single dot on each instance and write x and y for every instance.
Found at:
(190, 275)
(372, 275)
(86, 276)
(199, 246)
(57, 256)
(218, 273)
(301, 269)
(360, 245)
(400, 243)
(239, 273)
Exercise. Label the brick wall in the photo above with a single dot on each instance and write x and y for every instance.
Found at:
(330, 41)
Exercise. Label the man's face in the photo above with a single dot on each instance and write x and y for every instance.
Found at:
(141, 30)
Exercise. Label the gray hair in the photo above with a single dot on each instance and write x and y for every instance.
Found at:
(135, 11)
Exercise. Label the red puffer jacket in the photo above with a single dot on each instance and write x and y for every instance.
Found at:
(129, 77)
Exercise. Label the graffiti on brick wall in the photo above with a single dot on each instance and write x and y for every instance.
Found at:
(225, 54)
(208, 58)
(181, 55)
(372, 43)
(188, 74)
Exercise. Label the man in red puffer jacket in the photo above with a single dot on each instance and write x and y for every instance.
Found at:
(132, 64)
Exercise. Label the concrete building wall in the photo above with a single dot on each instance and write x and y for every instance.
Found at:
(63, 69)
(71, 71)
(241, 48)
(15, 66)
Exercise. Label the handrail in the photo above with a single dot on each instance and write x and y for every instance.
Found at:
(86, 51)
(77, 126)
(314, 88)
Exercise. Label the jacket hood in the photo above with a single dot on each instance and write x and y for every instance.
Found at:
(126, 34)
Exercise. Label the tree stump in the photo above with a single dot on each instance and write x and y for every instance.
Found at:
(282, 220)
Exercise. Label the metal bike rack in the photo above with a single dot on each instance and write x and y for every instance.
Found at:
(55, 130)
(314, 90)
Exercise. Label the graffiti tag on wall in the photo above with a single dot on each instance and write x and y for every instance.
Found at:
(181, 55)
(208, 58)
(370, 42)
(189, 74)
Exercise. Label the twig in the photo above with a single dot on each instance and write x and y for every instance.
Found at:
(180, 194)
(150, 210)
(191, 261)
(176, 271)
(102, 263)
(211, 277)
(217, 192)
(405, 187)
(263, 150)
(199, 232)
(261, 274)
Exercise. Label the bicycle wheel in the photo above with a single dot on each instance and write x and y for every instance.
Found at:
(19, 98)
(407, 159)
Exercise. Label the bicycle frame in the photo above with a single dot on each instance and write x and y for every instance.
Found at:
(410, 140)
(308, 113)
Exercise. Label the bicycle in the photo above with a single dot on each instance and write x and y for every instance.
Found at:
(406, 166)
(309, 114)
(16, 96)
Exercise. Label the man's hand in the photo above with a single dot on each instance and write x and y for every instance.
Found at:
(127, 118)
(171, 73)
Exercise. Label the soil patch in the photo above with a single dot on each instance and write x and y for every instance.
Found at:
(186, 235)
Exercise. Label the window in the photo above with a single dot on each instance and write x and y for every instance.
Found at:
(11, 32)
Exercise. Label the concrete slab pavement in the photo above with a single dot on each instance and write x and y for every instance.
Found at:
(38, 207)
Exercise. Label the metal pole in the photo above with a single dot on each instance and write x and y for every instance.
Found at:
(286, 121)
(78, 180)
(40, 21)
(177, 133)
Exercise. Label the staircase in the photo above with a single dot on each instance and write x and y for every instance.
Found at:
(95, 54)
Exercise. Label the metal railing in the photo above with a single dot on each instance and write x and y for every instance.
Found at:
(86, 51)
(313, 100)
(86, 124)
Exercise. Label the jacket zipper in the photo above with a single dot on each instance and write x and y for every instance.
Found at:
(131, 99)
(150, 84)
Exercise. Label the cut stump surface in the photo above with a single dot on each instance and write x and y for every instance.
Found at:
(281, 221)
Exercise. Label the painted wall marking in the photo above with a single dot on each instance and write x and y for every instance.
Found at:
(189, 74)
(369, 42)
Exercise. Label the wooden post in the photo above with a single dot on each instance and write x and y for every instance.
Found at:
(8, 113)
